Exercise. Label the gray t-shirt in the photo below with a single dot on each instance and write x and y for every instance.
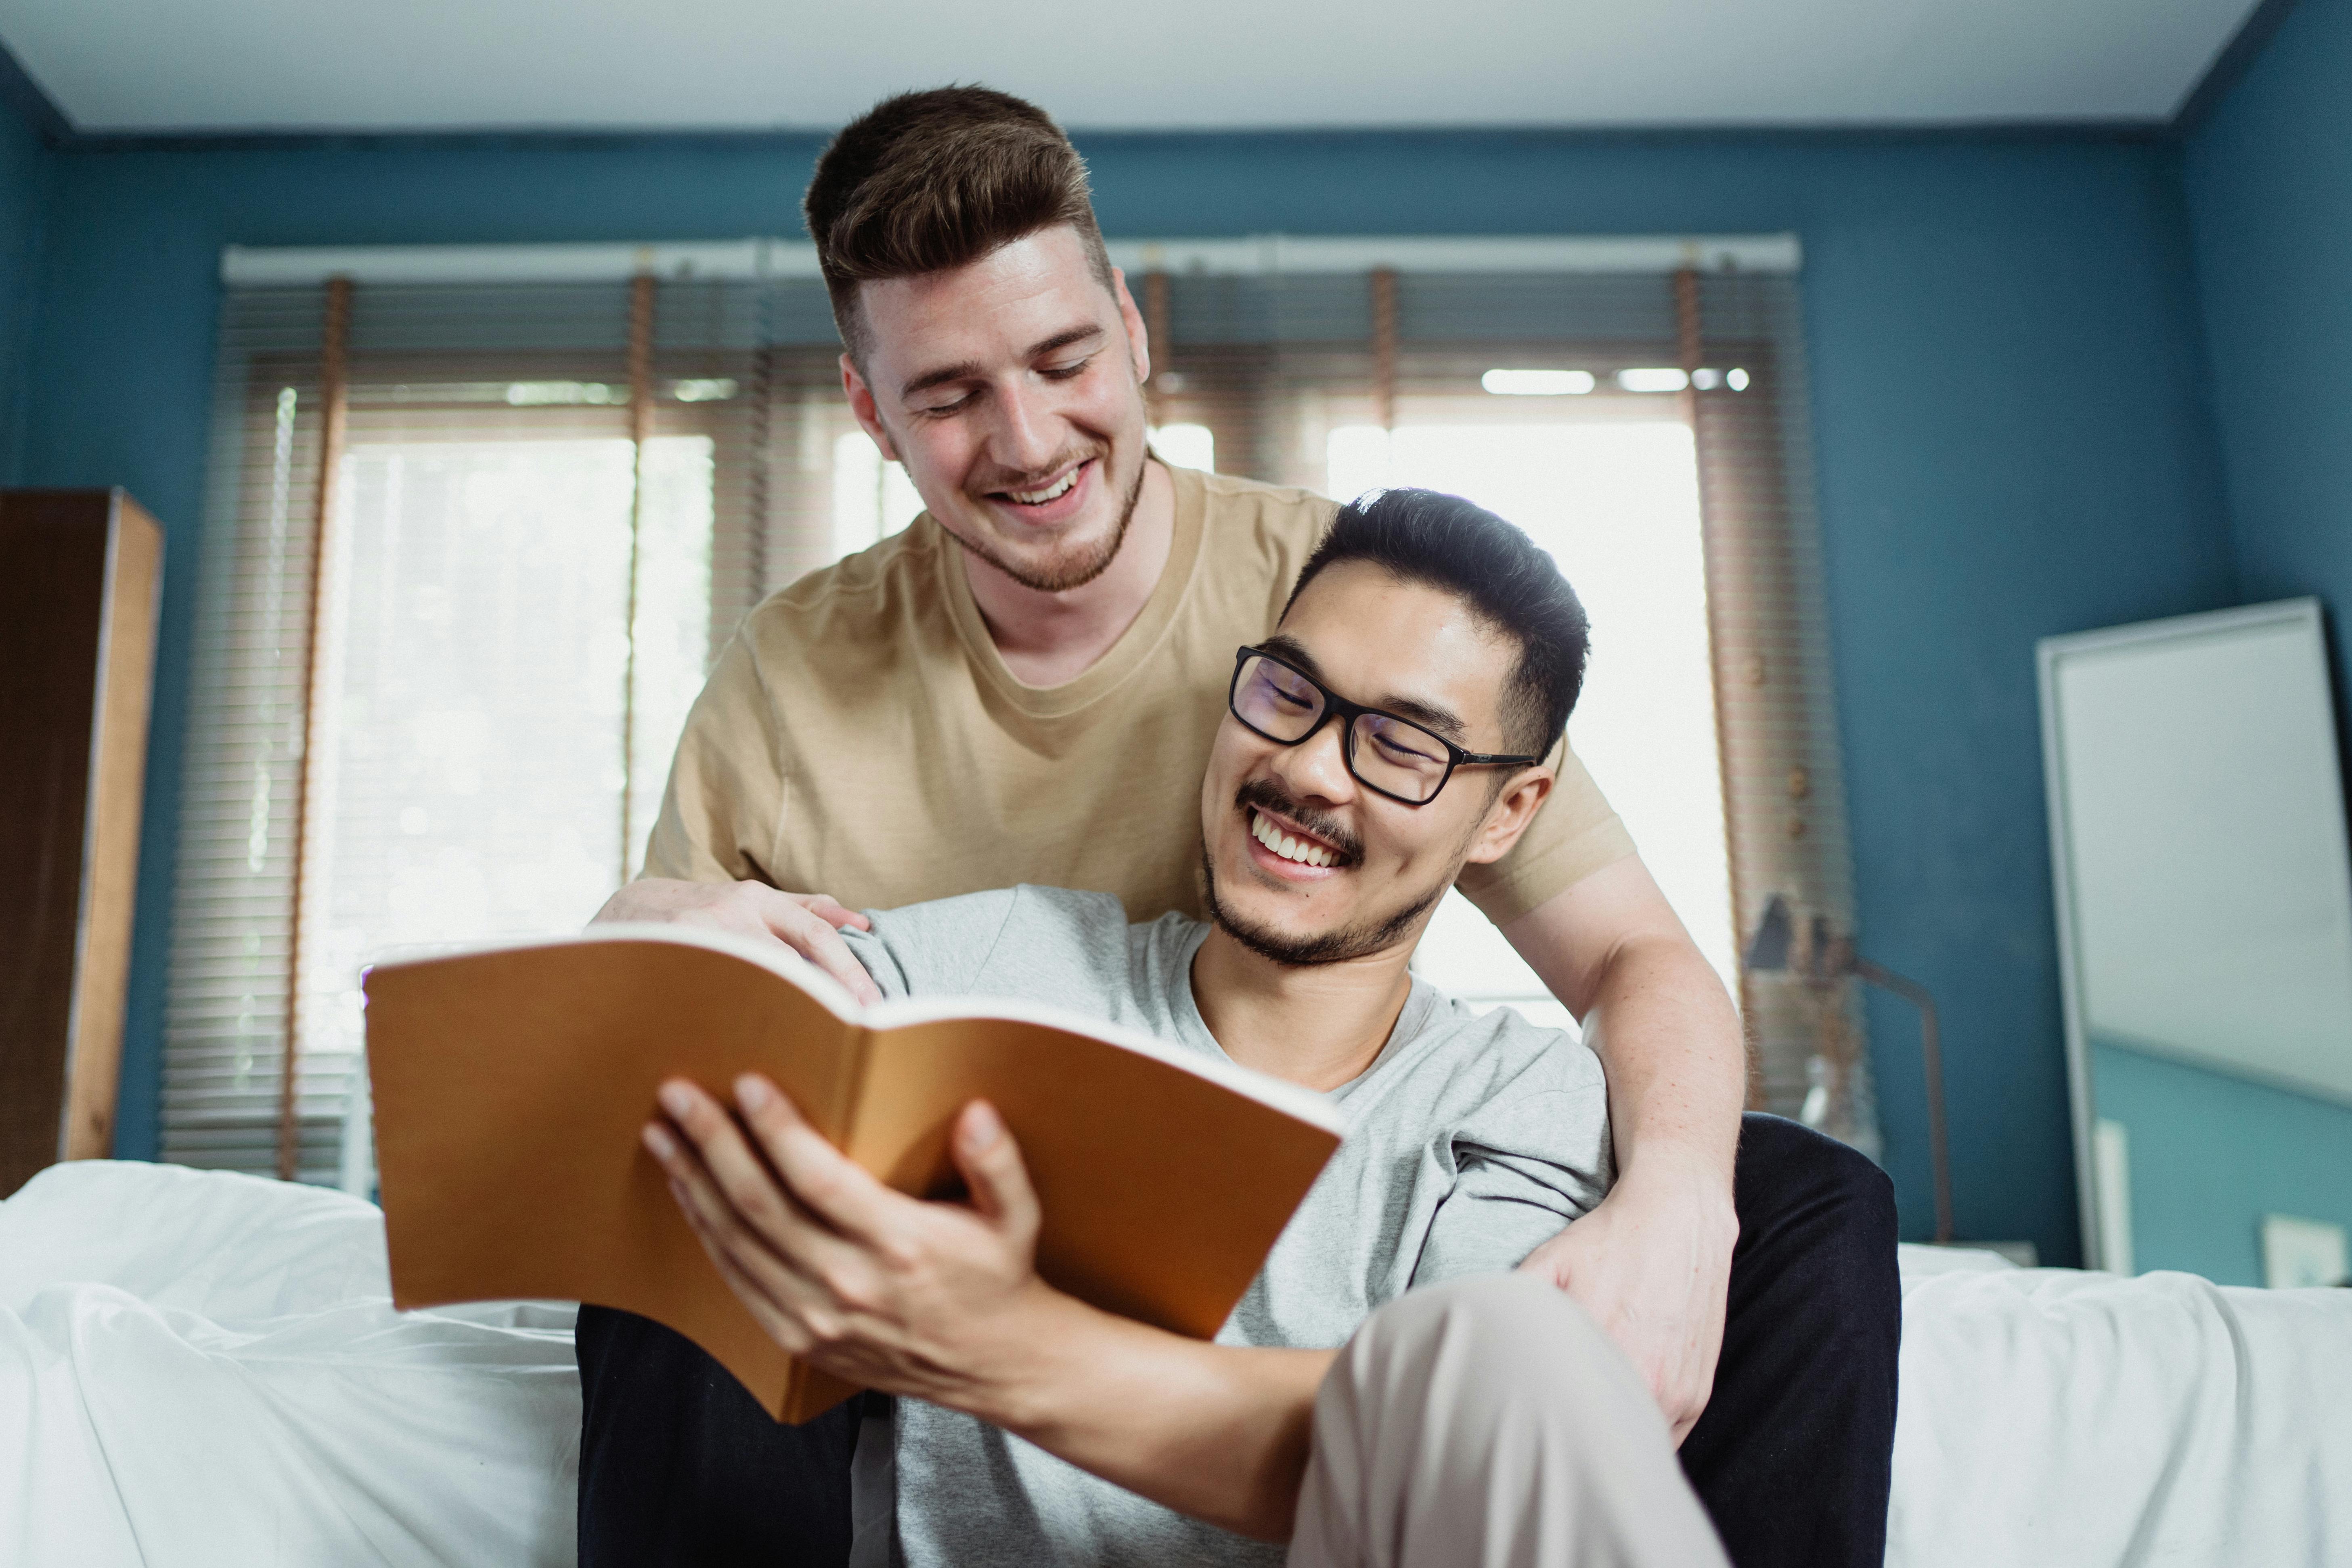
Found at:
(1471, 1140)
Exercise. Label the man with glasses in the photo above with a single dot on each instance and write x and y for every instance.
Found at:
(1388, 1391)
(1023, 687)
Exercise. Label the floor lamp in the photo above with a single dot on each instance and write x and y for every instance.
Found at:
(1825, 959)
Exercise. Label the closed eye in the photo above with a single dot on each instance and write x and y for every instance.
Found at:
(1296, 696)
(1404, 747)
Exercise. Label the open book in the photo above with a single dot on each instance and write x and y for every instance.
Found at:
(511, 1083)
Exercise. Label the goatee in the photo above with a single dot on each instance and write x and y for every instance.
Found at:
(1358, 941)
(1060, 577)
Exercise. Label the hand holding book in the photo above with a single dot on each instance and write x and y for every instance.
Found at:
(868, 1285)
(512, 1084)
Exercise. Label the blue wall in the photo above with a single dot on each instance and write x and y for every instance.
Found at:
(2211, 1155)
(2006, 365)
(24, 189)
(2268, 180)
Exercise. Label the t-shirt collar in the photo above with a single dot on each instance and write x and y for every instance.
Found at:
(1194, 1029)
(1128, 655)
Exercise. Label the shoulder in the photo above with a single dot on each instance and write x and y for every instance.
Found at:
(1093, 925)
(1255, 538)
(1056, 946)
(1281, 516)
(957, 940)
(857, 611)
(1506, 1034)
(1464, 1065)
(932, 947)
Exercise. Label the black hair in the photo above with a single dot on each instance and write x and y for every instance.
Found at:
(1448, 543)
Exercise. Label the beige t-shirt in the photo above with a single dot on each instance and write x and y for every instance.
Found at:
(862, 737)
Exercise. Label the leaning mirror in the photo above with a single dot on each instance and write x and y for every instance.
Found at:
(2204, 907)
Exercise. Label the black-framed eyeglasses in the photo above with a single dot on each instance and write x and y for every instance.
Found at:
(1388, 755)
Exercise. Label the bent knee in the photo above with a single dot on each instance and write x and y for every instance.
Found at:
(1509, 1337)
(1788, 1170)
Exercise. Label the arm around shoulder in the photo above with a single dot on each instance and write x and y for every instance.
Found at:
(1653, 1263)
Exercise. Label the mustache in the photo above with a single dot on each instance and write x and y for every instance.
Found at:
(1267, 795)
(1009, 479)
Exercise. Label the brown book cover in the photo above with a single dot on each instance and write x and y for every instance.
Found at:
(511, 1083)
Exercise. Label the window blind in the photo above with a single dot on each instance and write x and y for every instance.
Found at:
(490, 470)
(1274, 366)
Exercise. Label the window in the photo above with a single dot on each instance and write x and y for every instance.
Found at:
(517, 611)
(487, 723)
(1615, 502)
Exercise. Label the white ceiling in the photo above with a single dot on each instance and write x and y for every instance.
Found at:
(420, 65)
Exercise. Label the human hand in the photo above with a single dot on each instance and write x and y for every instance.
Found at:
(1652, 1264)
(809, 923)
(937, 1300)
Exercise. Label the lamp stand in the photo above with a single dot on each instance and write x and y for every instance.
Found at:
(1931, 1050)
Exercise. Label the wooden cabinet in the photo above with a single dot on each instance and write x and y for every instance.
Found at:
(79, 576)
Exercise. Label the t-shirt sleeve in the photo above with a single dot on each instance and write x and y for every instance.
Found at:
(1524, 1167)
(1574, 833)
(934, 949)
(719, 812)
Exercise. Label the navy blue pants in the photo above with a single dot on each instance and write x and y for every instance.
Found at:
(680, 1469)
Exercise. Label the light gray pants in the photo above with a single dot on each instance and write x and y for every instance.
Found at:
(1490, 1424)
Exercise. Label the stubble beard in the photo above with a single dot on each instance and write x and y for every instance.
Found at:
(1358, 941)
(1059, 577)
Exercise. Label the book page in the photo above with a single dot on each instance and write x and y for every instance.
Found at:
(510, 1087)
(1162, 1189)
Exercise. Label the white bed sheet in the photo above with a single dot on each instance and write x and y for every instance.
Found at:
(2051, 1417)
(200, 1369)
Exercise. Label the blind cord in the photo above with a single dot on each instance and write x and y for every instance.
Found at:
(334, 338)
(641, 429)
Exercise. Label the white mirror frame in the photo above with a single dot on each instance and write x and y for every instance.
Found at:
(2305, 613)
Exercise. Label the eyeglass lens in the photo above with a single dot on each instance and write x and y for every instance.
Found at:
(1386, 753)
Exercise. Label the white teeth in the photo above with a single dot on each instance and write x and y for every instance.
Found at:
(1288, 847)
(1039, 498)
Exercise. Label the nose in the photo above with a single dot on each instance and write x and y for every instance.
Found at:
(1317, 768)
(1028, 432)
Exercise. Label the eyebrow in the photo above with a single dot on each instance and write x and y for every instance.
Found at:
(966, 370)
(1428, 715)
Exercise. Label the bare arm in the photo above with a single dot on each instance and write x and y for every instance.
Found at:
(941, 1301)
(1652, 1262)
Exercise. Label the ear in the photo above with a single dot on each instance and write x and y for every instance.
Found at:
(1514, 809)
(861, 404)
(1139, 340)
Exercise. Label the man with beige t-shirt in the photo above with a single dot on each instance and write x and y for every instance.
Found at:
(795, 769)
(1024, 687)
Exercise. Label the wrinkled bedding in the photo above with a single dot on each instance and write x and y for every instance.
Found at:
(2054, 1417)
(198, 1368)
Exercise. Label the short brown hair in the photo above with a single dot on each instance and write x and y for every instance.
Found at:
(927, 180)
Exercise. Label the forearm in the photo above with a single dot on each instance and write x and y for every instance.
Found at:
(941, 1301)
(1667, 1035)
(1652, 1262)
(1655, 1012)
(1217, 1432)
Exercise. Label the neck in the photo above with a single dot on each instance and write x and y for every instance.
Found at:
(1318, 1026)
(1047, 639)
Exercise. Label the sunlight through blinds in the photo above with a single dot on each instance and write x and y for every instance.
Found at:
(1652, 431)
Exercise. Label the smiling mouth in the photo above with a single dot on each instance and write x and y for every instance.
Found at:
(1052, 492)
(1288, 845)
